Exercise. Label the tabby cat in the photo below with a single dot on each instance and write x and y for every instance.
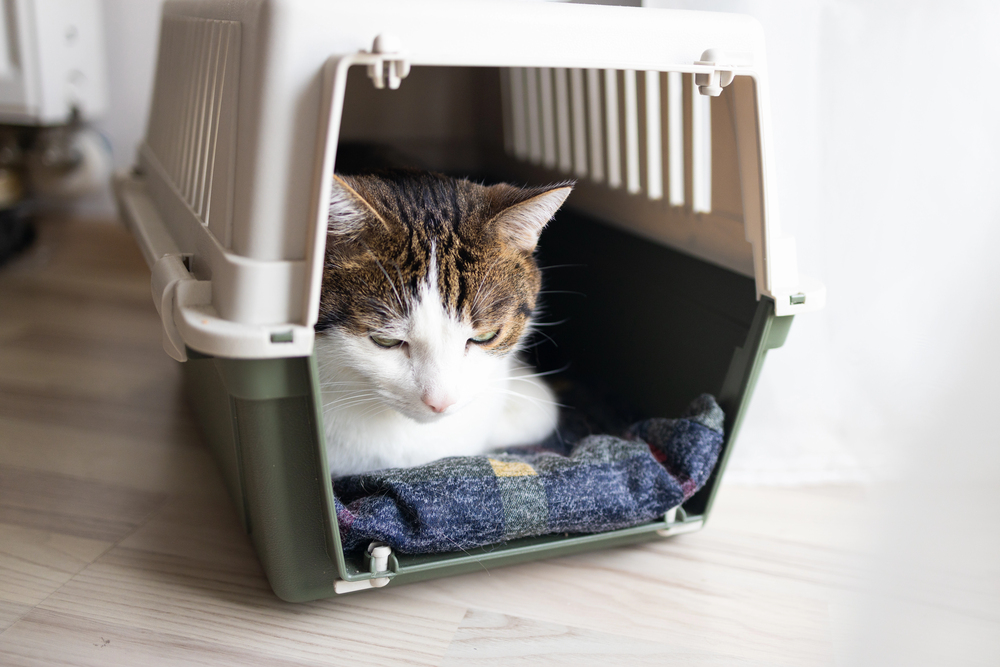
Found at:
(429, 289)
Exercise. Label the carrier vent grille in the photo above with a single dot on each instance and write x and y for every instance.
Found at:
(646, 132)
(192, 120)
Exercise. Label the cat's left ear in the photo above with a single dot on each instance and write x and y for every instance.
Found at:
(521, 223)
(350, 213)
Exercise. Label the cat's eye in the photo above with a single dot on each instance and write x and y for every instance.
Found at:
(384, 341)
(484, 337)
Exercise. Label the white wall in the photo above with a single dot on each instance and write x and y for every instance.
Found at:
(888, 149)
(131, 29)
(885, 120)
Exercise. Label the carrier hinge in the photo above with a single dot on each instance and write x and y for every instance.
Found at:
(378, 563)
(676, 521)
(390, 63)
(712, 83)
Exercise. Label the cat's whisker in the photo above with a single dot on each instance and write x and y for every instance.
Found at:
(386, 274)
(351, 400)
(351, 393)
(374, 412)
(340, 405)
(349, 405)
(353, 405)
(530, 381)
(475, 299)
(563, 266)
(534, 400)
(378, 405)
(345, 388)
(516, 393)
(542, 333)
(399, 273)
(341, 397)
(535, 375)
(354, 392)
(548, 324)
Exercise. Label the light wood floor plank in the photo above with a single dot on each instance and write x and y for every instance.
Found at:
(50, 639)
(191, 572)
(35, 563)
(153, 415)
(490, 638)
(53, 310)
(56, 370)
(122, 461)
(72, 506)
(10, 612)
(649, 595)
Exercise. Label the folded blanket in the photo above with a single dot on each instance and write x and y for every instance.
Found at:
(604, 483)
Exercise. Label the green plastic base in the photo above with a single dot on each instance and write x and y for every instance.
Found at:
(656, 327)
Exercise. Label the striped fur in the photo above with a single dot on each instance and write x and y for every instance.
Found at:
(421, 269)
(386, 230)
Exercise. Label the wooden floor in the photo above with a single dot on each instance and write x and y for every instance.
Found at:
(118, 545)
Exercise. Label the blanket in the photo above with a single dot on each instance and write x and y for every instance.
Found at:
(604, 483)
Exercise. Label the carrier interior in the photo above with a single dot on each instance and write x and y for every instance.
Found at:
(648, 289)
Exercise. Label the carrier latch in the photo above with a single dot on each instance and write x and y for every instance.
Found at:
(677, 521)
(712, 83)
(393, 66)
(378, 553)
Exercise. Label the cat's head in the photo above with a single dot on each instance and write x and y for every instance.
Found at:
(430, 284)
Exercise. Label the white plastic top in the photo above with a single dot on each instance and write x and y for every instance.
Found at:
(240, 149)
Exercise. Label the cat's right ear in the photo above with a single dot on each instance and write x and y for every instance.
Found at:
(526, 211)
(348, 213)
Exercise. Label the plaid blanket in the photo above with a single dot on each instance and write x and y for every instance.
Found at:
(604, 483)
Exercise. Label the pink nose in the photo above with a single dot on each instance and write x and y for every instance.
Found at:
(438, 403)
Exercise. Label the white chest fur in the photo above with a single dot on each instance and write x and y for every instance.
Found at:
(375, 412)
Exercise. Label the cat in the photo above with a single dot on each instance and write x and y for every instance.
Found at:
(429, 289)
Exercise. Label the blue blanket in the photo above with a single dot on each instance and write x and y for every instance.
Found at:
(604, 483)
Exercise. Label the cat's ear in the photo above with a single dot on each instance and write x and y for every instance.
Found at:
(349, 212)
(527, 211)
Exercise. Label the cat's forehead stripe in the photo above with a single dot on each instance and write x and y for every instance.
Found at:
(478, 279)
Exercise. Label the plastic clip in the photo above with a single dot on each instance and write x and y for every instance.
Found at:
(676, 521)
(378, 553)
(712, 83)
(393, 67)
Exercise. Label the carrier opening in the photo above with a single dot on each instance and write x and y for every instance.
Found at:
(632, 327)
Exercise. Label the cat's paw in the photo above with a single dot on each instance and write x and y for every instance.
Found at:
(530, 412)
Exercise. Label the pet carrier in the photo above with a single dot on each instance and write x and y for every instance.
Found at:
(661, 116)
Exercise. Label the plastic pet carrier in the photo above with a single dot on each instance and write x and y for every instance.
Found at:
(671, 233)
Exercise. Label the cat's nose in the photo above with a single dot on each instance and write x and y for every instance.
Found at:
(437, 403)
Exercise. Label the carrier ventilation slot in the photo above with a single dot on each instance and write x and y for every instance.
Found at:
(621, 128)
(190, 102)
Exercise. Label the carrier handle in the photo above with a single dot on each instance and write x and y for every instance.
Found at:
(168, 272)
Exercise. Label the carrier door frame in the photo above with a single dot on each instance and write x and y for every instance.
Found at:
(774, 265)
(753, 168)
